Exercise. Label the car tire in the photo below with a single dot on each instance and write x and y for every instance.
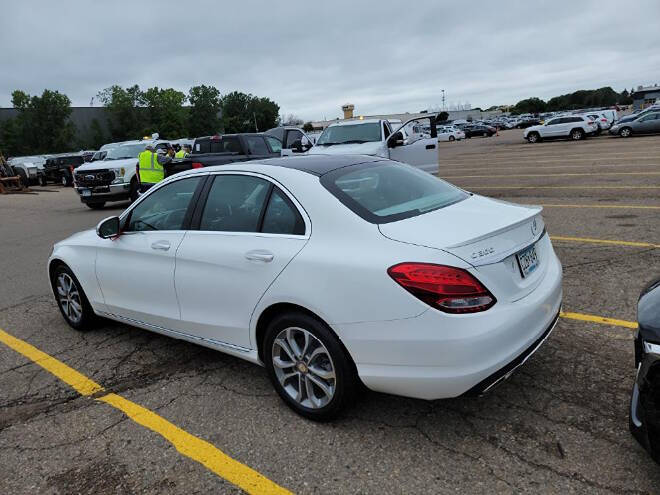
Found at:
(452, 138)
(134, 190)
(577, 134)
(23, 176)
(625, 132)
(67, 179)
(533, 137)
(96, 206)
(308, 366)
(71, 299)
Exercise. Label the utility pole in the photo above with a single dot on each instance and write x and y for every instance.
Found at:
(443, 101)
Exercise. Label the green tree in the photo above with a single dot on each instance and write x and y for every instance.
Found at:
(41, 126)
(530, 105)
(125, 117)
(165, 111)
(442, 116)
(308, 127)
(625, 97)
(97, 137)
(203, 118)
(247, 113)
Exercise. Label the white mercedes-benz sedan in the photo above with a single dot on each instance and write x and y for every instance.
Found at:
(327, 270)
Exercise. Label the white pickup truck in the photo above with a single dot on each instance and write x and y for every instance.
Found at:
(114, 177)
(376, 137)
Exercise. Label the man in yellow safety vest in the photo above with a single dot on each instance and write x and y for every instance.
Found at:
(183, 152)
(150, 167)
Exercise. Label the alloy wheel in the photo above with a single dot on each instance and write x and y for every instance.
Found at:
(304, 368)
(69, 297)
(625, 132)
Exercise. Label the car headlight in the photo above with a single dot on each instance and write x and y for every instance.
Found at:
(119, 175)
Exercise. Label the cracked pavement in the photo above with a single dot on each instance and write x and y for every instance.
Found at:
(558, 425)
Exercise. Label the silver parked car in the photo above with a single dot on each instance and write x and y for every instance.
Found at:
(646, 124)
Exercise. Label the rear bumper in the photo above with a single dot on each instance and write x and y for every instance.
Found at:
(437, 355)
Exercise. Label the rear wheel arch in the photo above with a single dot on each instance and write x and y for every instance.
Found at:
(277, 309)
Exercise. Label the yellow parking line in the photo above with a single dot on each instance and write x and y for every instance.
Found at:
(189, 445)
(589, 240)
(599, 319)
(196, 448)
(547, 175)
(638, 207)
(563, 187)
(82, 384)
(453, 168)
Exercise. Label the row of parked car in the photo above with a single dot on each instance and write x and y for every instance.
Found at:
(577, 126)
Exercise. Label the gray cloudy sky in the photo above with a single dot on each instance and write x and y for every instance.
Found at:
(311, 57)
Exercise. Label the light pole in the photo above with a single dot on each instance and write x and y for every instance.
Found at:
(443, 100)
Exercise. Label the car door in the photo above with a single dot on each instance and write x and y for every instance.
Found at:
(551, 128)
(245, 234)
(135, 271)
(654, 125)
(646, 123)
(422, 153)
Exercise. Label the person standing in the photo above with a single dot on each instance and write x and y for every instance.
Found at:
(151, 166)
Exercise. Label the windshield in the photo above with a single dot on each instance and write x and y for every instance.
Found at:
(125, 151)
(345, 134)
(389, 191)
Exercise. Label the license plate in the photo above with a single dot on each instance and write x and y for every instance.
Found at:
(85, 193)
(528, 260)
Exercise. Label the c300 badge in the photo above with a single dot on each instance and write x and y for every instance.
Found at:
(483, 252)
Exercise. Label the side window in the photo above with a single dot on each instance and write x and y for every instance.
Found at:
(553, 122)
(256, 145)
(577, 119)
(234, 204)
(165, 208)
(291, 137)
(275, 144)
(282, 217)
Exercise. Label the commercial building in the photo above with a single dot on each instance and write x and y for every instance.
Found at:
(645, 96)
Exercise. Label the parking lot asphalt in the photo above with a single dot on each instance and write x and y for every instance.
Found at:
(558, 425)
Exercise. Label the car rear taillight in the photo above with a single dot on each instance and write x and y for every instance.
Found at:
(197, 165)
(449, 289)
(603, 120)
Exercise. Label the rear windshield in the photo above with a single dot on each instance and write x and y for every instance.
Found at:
(389, 191)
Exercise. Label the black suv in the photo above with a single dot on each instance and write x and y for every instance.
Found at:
(60, 168)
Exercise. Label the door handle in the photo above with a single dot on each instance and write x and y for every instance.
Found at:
(430, 146)
(259, 255)
(161, 245)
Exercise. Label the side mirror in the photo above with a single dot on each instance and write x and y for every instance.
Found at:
(395, 140)
(108, 228)
(297, 146)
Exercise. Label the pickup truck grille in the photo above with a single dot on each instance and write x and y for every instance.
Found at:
(95, 178)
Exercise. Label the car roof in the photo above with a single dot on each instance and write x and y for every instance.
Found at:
(312, 164)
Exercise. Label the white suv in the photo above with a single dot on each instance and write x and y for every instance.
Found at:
(574, 127)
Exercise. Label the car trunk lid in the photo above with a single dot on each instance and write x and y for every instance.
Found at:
(486, 233)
